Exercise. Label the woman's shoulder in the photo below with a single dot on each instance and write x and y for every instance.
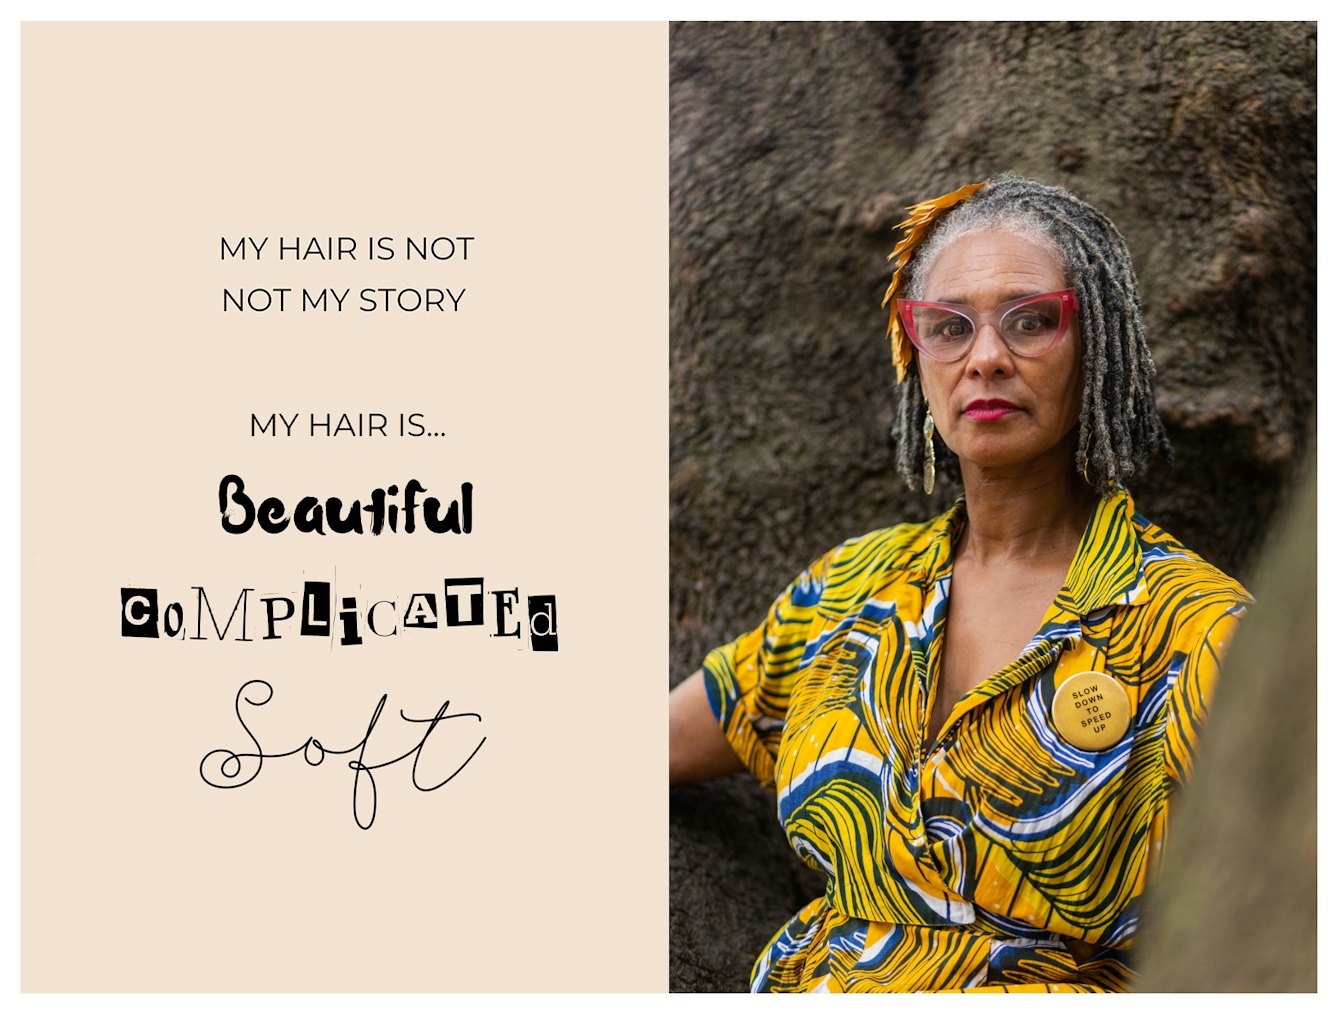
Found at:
(1173, 571)
(906, 546)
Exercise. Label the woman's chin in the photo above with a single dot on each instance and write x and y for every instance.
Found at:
(1014, 459)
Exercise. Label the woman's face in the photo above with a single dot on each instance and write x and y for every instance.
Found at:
(994, 408)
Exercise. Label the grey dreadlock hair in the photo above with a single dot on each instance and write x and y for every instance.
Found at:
(1118, 427)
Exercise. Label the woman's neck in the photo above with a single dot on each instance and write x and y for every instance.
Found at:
(1034, 511)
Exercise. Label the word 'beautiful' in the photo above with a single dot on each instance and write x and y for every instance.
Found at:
(311, 516)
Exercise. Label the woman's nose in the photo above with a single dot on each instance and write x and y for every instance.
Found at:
(989, 355)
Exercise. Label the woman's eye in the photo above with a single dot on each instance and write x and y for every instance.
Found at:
(952, 328)
(1031, 323)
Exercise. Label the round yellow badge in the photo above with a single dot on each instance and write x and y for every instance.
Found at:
(1091, 711)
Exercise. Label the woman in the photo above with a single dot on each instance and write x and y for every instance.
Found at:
(975, 725)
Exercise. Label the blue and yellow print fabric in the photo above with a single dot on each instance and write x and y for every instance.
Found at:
(997, 856)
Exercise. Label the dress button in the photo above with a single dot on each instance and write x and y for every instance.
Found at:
(1091, 711)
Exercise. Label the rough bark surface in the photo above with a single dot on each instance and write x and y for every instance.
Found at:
(794, 149)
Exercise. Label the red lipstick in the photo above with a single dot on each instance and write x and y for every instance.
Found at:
(990, 409)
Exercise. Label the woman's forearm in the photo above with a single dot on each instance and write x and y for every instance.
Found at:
(697, 747)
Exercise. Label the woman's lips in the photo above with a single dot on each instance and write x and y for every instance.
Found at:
(990, 409)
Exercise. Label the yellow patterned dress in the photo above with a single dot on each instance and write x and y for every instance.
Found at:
(999, 856)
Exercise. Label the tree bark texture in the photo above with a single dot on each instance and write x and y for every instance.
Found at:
(794, 150)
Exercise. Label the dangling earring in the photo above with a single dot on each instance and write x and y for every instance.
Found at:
(929, 452)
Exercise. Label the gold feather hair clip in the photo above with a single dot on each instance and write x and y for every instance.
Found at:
(922, 216)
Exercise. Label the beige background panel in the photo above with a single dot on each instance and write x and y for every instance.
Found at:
(541, 865)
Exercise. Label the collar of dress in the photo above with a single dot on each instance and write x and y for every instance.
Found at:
(1106, 572)
(1107, 569)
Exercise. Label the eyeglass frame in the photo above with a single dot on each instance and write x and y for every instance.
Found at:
(1068, 302)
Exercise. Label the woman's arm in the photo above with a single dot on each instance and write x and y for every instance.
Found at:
(697, 747)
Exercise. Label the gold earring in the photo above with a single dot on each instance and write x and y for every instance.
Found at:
(929, 452)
